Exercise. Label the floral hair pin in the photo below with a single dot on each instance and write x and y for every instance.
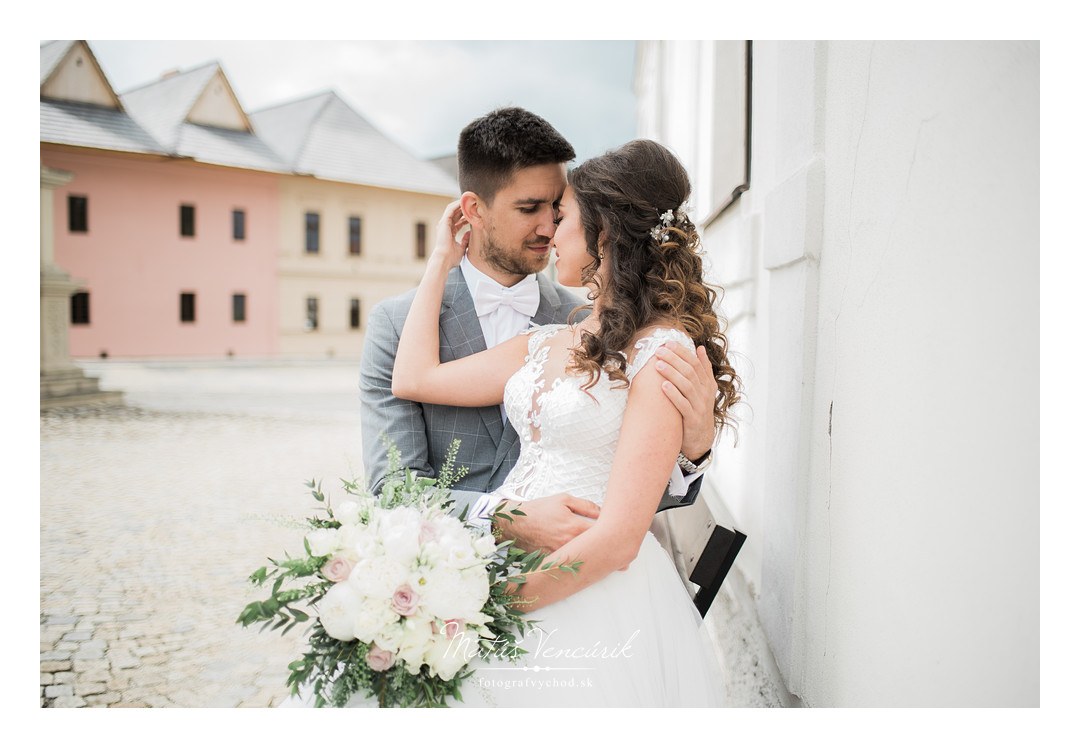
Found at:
(669, 217)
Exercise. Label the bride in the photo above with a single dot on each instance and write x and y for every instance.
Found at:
(583, 397)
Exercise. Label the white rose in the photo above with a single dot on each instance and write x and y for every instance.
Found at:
(347, 513)
(373, 617)
(390, 637)
(460, 553)
(378, 577)
(338, 610)
(448, 656)
(416, 640)
(455, 593)
(359, 539)
(323, 541)
(484, 545)
(399, 531)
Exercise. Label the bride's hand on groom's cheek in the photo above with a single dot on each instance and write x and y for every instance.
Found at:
(550, 522)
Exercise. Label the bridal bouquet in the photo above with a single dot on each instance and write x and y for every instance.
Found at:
(401, 595)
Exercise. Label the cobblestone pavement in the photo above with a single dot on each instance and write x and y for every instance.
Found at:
(150, 523)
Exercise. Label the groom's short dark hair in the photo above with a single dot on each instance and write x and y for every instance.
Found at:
(493, 147)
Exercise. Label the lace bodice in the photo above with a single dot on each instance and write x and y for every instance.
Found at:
(568, 435)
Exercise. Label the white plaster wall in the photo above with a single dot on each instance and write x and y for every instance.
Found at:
(921, 569)
(884, 263)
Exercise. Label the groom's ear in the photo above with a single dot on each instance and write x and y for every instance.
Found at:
(472, 206)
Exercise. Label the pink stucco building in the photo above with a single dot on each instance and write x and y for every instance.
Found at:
(137, 265)
(196, 230)
(169, 221)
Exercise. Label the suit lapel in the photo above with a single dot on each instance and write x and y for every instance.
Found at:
(460, 328)
(547, 313)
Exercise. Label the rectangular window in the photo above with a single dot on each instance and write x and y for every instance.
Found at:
(80, 308)
(311, 323)
(77, 220)
(731, 129)
(239, 307)
(238, 227)
(421, 240)
(354, 235)
(187, 307)
(354, 314)
(187, 220)
(311, 233)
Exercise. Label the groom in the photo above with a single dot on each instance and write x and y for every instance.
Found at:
(512, 172)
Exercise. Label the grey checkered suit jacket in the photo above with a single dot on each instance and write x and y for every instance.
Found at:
(423, 432)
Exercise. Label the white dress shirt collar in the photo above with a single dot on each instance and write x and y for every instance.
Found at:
(474, 277)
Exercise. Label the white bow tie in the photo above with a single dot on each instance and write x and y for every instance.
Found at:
(523, 297)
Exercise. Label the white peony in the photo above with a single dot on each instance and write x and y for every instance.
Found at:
(372, 617)
(390, 637)
(359, 539)
(338, 610)
(399, 531)
(455, 593)
(323, 541)
(378, 577)
(448, 655)
(416, 640)
(453, 546)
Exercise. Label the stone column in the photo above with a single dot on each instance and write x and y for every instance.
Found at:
(62, 382)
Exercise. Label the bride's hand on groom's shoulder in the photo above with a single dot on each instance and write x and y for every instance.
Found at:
(450, 241)
(691, 388)
(549, 522)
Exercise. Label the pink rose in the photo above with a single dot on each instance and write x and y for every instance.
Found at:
(428, 532)
(451, 628)
(337, 569)
(379, 659)
(405, 602)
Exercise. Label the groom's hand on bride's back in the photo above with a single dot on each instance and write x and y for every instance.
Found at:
(548, 523)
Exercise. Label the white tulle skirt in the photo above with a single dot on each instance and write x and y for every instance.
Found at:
(634, 639)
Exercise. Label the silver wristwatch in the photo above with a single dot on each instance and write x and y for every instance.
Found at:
(689, 466)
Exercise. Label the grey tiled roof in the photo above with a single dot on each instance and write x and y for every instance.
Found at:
(447, 163)
(285, 127)
(319, 135)
(92, 126)
(51, 54)
(162, 105)
(218, 145)
(323, 136)
(162, 108)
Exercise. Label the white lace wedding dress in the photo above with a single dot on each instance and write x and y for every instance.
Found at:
(634, 638)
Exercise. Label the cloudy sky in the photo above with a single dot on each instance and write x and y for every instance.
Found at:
(419, 93)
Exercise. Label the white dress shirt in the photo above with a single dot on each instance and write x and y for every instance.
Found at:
(506, 321)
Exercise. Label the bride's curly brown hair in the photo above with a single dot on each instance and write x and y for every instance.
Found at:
(648, 280)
